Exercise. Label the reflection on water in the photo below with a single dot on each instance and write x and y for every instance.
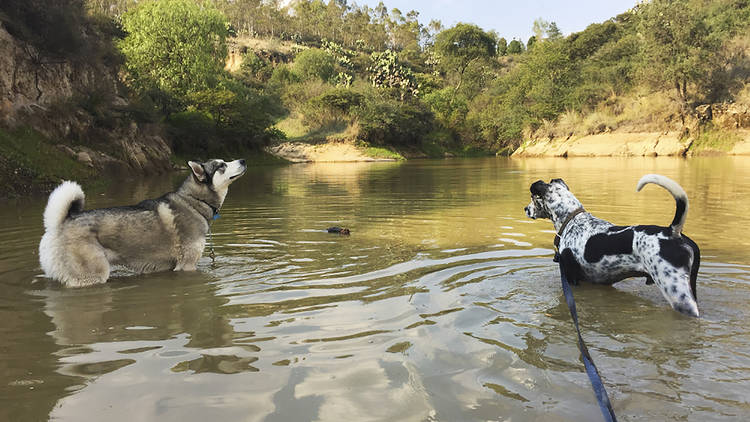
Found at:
(443, 304)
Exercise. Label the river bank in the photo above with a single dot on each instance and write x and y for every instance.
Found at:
(638, 145)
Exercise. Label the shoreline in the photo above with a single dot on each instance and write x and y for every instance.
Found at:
(638, 144)
(329, 152)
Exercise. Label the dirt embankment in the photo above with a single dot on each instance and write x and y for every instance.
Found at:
(300, 152)
(713, 129)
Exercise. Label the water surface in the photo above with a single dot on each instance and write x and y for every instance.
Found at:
(443, 304)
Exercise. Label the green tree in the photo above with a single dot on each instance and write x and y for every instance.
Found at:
(462, 46)
(679, 47)
(553, 32)
(502, 47)
(174, 46)
(515, 47)
(314, 63)
(530, 43)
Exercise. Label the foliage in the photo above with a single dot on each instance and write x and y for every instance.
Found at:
(502, 46)
(384, 121)
(464, 83)
(255, 69)
(387, 72)
(544, 30)
(331, 107)
(314, 63)
(175, 46)
(679, 46)
(515, 47)
(461, 45)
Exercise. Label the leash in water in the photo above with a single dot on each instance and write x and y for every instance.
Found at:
(588, 362)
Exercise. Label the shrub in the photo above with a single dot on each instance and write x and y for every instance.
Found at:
(282, 75)
(192, 132)
(254, 69)
(331, 107)
(314, 63)
(387, 121)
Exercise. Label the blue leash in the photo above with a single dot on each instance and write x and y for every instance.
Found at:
(593, 373)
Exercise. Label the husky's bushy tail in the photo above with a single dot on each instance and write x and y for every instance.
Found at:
(677, 192)
(65, 199)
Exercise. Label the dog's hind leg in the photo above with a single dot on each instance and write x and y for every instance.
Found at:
(694, 266)
(674, 284)
(86, 265)
(190, 255)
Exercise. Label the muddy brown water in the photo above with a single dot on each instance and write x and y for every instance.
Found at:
(443, 304)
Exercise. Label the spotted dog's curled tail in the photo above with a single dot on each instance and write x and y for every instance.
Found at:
(65, 199)
(680, 198)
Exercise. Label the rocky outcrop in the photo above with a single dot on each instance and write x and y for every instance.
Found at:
(733, 118)
(44, 94)
(607, 145)
(725, 116)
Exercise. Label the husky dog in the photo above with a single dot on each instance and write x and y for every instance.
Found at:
(168, 233)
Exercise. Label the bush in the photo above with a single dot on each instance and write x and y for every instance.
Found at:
(192, 133)
(331, 107)
(254, 69)
(314, 63)
(388, 121)
(282, 75)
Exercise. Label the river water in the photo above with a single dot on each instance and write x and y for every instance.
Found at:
(443, 304)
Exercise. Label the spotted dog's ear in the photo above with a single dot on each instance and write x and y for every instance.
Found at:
(198, 171)
(560, 182)
(539, 188)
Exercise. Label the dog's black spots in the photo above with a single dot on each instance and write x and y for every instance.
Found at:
(573, 270)
(674, 288)
(649, 280)
(603, 244)
(654, 230)
(673, 251)
(539, 188)
(559, 181)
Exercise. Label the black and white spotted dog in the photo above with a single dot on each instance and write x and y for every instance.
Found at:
(597, 251)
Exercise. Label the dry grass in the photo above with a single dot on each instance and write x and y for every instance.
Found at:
(644, 112)
(743, 96)
(262, 44)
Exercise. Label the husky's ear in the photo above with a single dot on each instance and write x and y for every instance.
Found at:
(538, 188)
(559, 181)
(198, 171)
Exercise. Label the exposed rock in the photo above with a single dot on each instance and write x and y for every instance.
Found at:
(730, 116)
(607, 145)
(85, 158)
(38, 92)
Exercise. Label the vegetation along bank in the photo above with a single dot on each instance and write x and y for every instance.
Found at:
(88, 86)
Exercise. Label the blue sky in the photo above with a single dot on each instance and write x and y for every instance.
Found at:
(511, 18)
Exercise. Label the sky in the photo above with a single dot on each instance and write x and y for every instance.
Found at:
(511, 19)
